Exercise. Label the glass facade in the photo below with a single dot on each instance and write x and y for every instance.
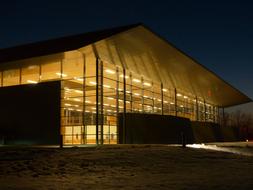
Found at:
(94, 91)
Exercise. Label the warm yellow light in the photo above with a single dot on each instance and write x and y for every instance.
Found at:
(67, 104)
(87, 101)
(122, 76)
(166, 102)
(136, 94)
(110, 71)
(106, 86)
(146, 84)
(92, 82)
(171, 103)
(77, 99)
(79, 110)
(78, 79)
(185, 97)
(32, 81)
(136, 80)
(61, 74)
(179, 94)
(165, 90)
(181, 106)
(79, 91)
(110, 98)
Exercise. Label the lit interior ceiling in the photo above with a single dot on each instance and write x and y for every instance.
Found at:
(141, 51)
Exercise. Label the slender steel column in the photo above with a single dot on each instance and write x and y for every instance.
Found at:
(197, 109)
(204, 110)
(117, 100)
(142, 94)
(153, 101)
(131, 92)
(124, 101)
(84, 99)
(97, 99)
(101, 102)
(175, 102)
(162, 97)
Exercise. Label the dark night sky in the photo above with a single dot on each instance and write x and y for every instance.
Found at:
(217, 33)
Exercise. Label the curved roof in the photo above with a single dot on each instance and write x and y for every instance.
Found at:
(140, 50)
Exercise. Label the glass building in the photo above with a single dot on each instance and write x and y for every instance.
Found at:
(127, 69)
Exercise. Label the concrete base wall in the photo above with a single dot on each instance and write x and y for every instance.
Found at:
(30, 114)
(161, 129)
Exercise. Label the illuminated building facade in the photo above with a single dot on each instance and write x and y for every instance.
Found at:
(121, 70)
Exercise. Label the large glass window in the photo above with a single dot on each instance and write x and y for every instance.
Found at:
(11, 77)
(30, 74)
(50, 71)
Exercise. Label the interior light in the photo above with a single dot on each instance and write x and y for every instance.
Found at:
(110, 98)
(181, 106)
(92, 82)
(165, 90)
(67, 104)
(136, 94)
(93, 108)
(185, 97)
(106, 86)
(166, 102)
(87, 111)
(79, 91)
(147, 84)
(76, 106)
(87, 101)
(79, 110)
(172, 103)
(77, 99)
(125, 76)
(78, 79)
(179, 94)
(136, 80)
(110, 71)
(61, 74)
(32, 81)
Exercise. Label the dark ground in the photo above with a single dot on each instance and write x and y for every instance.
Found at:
(124, 167)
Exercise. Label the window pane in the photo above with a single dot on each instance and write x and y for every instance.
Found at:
(72, 68)
(11, 77)
(51, 71)
(30, 74)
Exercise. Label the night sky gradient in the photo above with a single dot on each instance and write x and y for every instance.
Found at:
(219, 34)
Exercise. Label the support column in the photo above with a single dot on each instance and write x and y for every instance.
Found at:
(97, 99)
(117, 100)
(131, 92)
(204, 110)
(197, 109)
(124, 106)
(175, 102)
(142, 94)
(101, 103)
(162, 98)
(84, 99)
